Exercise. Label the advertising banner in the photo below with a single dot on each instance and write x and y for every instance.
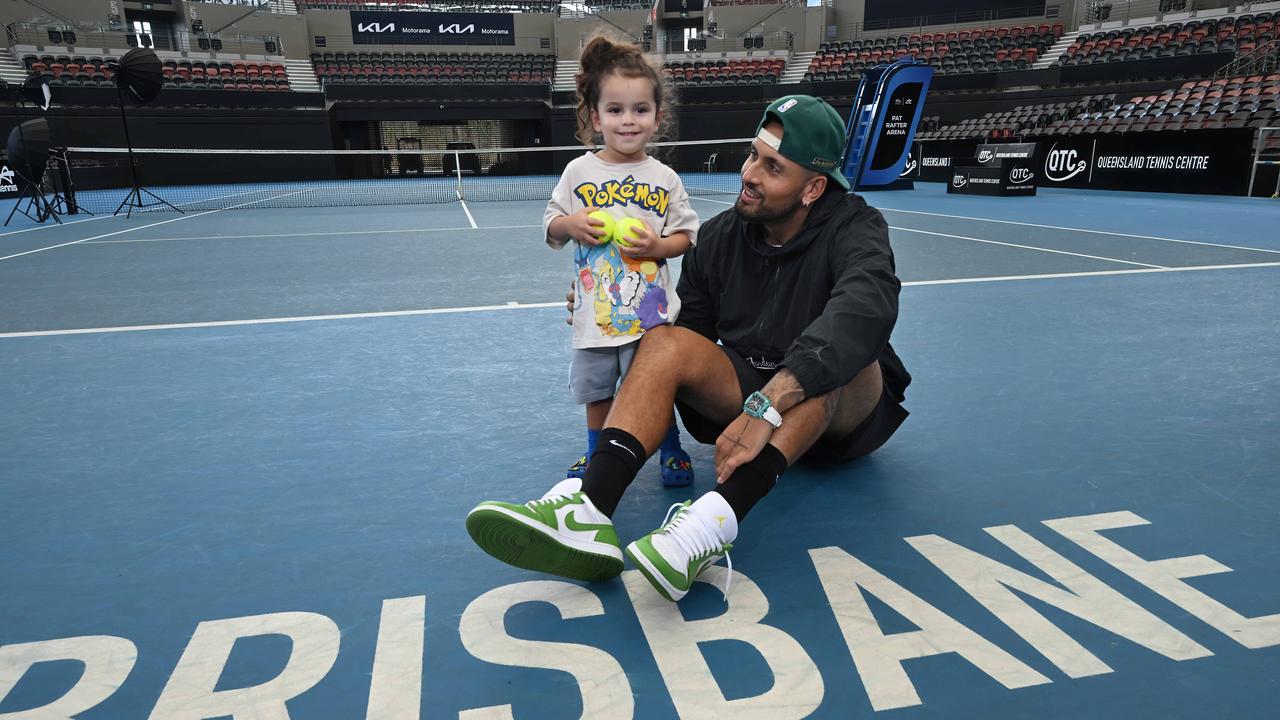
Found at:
(995, 152)
(936, 157)
(1188, 161)
(1005, 177)
(391, 27)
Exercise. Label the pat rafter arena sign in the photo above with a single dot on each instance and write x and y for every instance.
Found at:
(1193, 161)
(371, 27)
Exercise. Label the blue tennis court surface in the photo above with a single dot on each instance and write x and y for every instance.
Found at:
(239, 447)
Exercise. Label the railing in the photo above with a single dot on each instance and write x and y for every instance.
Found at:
(479, 6)
(1262, 60)
(1090, 14)
(778, 41)
(581, 10)
(275, 6)
(975, 19)
(47, 37)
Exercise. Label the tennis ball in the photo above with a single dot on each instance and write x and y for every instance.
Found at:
(626, 230)
(609, 225)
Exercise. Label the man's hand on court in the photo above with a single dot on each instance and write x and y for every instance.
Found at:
(740, 443)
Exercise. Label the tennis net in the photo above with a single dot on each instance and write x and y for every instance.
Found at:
(98, 179)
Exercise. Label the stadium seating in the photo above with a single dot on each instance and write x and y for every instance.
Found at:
(433, 68)
(1241, 33)
(730, 71)
(951, 52)
(92, 71)
(1238, 102)
(1020, 121)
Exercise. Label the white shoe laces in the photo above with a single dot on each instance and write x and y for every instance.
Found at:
(548, 500)
(694, 535)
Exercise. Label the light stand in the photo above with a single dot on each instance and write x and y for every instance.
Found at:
(139, 71)
(134, 200)
(20, 157)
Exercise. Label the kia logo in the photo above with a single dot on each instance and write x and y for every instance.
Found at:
(985, 156)
(959, 181)
(458, 29)
(1021, 175)
(910, 168)
(1062, 165)
(376, 27)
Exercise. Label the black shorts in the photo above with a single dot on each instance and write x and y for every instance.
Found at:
(865, 439)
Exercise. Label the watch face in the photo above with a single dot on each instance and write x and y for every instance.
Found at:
(756, 404)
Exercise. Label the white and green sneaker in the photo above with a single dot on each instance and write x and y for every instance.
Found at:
(692, 537)
(561, 533)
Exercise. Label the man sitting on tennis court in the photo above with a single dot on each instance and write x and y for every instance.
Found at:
(781, 350)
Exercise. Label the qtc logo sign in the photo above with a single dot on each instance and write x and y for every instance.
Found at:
(1020, 175)
(959, 180)
(1062, 165)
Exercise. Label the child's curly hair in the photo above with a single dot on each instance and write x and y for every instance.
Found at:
(604, 55)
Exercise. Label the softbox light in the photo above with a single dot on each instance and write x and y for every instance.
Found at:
(28, 148)
(36, 90)
(139, 75)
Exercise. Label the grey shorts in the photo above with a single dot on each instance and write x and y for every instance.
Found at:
(594, 373)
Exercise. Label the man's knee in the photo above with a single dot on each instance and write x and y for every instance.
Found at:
(854, 403)
(666, 344)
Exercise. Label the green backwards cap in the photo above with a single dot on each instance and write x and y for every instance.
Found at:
(813, 134)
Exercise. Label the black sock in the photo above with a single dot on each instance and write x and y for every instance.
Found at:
(614, 464)
(752, 481)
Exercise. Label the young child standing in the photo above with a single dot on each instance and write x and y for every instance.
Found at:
(621, 290)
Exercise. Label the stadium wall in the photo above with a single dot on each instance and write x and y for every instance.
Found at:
(93, 11)
(291, 29)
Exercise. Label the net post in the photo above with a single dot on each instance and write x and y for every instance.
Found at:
(1258, 139)
(457, 172)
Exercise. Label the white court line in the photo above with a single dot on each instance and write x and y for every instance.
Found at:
(467, 210)
(1083, 230)
(561, 303)
(106, 217)
(1005, 244)
(1026, 247)
(996, 242)
(315, 234)
(143, 227)
(1055, 227)
(53, 225)
(270, 321)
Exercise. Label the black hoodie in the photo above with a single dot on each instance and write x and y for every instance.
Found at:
(823, 305)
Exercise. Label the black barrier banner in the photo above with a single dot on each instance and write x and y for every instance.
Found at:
(987, 154)
(392, 27)
(937, 156)
(1188, 161)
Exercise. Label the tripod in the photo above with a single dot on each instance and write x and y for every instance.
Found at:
(134, 200)
(35, 188)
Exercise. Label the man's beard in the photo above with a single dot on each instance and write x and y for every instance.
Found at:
(761, 214)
